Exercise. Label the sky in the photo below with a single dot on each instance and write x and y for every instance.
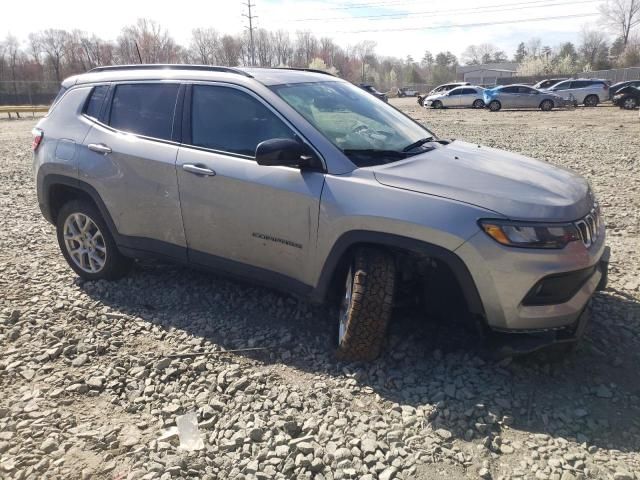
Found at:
(399, 27)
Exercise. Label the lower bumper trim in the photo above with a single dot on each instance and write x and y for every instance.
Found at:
(513, 344)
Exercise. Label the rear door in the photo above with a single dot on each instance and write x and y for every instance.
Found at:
(580, 89)
(129, 158)
(240, 216)
(528, 97)
(508, 97)
(468, 96)
(452, 99)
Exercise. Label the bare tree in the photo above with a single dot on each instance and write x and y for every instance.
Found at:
(230, 51)
(13, 52)
(147, 42)
(306, 48)
(622, 16)
(594, 48)
(263, 46)
(282, 47)
(363, 52)
(471, 55)
(328, 50)
(205, 44)
(54, 43)
(35, 48)
(533, 46)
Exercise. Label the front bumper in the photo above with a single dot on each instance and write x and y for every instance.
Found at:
(505, 276)
(518, 342)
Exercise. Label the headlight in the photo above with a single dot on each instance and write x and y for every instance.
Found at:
(530, 235)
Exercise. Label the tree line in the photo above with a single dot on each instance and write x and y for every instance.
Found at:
(51, 55)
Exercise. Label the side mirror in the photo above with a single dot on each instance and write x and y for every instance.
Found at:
(287, 153)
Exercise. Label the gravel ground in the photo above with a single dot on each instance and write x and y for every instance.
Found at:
(91, 381)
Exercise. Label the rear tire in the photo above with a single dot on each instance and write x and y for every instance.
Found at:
(365, 308)
(591, 101)
(478, 104)
(87, 244)
(495, 105)
(437, 105)
(546, 105)
(629, 103)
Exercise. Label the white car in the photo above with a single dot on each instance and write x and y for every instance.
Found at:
(583, 91)
(463, 97)
(408, 92)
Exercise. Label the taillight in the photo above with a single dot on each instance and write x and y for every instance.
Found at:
(606, 87)
(38, 135)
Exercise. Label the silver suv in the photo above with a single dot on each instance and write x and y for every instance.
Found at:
(582, 91)
(301, 181)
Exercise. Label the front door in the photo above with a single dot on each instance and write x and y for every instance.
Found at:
(240, 216)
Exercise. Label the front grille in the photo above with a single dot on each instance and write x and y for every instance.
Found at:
(589, 226)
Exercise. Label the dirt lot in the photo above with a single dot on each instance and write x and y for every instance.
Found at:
(88, 384)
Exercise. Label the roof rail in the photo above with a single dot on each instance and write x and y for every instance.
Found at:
(173, 66)
(312, 70)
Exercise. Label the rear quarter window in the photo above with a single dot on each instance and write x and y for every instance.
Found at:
(144, 109)
(93, 107)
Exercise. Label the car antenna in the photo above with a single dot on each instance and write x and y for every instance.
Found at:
(138, 50)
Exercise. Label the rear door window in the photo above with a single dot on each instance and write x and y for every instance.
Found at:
(229, 120)
(525, 90)
(581, 84)
(510, 90)
(96, 99)
(144, 109)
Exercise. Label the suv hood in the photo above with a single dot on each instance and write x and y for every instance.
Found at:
(510, 184)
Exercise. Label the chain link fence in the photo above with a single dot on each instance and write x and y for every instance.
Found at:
(614, 76)
(27, 92)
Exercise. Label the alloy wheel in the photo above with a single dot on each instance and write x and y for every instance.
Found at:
(85, 243)
(629, 103)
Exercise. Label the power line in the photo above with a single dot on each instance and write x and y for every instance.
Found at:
(383, 4)
(432, 13)
(251, 29)
(468, 25)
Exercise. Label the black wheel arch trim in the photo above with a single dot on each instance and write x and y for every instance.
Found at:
(355, 237)
(138, 247)
(127, 244)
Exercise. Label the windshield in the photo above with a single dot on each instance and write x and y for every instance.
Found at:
(354, 121)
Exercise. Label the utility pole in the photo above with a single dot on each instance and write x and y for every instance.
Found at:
(251, 29)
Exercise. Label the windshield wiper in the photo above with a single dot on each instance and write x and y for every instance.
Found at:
(372, 152)
(418, 143)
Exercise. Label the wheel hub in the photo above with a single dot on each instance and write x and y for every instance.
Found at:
(84, 243)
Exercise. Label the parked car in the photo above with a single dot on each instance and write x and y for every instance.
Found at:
(465, 97)
(545, 84)
(407, 92)
(446, 87)
(616, 87)
(520, 96)
(301, 181)
(584, 91)
(371, 89)
(627, 97)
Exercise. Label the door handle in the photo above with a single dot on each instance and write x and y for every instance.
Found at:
(99, 147)
(207, 172)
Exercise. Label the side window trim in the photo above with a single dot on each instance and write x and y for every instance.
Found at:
(176, 124)
(187, 138)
